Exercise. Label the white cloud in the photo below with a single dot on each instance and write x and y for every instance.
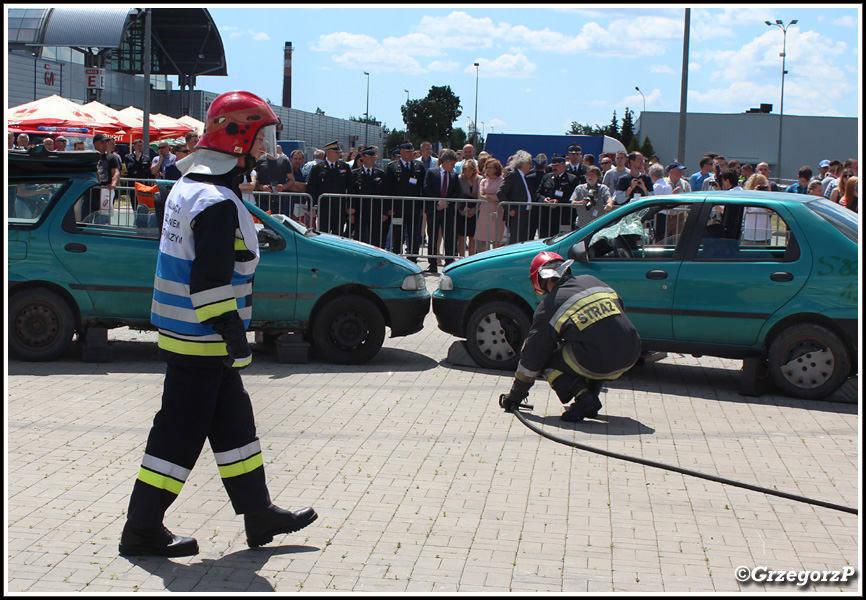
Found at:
(526, 90)
(506, 65)
(259, 37)
(808, 53)
(351, 49)
(443, 65)
(846, 21)
(497, 123)
(662, 69)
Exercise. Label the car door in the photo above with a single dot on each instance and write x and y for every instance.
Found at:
(275, 285)
(639, 256)
(745, 265)
(112, 255)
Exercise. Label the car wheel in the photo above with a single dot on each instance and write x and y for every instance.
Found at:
(808, 361)
(495, 334)
(349, 330)
(40, 325)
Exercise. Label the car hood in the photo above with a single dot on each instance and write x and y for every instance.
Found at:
(365, 249)
(522, 248)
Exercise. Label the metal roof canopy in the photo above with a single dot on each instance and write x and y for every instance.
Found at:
(186, 39)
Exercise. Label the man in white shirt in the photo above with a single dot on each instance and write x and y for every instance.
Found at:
(660, 186)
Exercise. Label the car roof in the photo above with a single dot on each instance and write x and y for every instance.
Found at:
(40, 160)
(739, 195)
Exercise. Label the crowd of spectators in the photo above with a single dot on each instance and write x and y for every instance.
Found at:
(477, 210)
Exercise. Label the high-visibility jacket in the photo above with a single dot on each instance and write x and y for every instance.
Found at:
(199, 281)
(585, 317)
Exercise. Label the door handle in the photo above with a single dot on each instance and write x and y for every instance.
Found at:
(781, 276)
(75, 247)
(657, 274)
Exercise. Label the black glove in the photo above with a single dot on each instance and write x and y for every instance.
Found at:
(234, 334)
(510, 402)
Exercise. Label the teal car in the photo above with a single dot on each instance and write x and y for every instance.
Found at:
(69, 272)
(764, 275)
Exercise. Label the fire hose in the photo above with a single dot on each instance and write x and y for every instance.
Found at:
(675, 469)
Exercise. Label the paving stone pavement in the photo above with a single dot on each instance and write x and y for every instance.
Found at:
(423, 485)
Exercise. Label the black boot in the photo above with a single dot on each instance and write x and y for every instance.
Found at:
(585, 406)
(264, 524)
(154, 541)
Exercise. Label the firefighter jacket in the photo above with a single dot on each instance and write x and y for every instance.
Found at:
(208, 254)
(586, 317)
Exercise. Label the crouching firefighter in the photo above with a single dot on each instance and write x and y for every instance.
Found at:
(202, 306)
(580, 336)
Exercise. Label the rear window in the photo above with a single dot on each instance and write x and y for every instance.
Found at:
(843, 219)
(28, 202)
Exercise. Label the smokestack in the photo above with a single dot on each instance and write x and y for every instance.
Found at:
(287, 75)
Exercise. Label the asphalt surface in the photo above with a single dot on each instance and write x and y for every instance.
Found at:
(422, 484)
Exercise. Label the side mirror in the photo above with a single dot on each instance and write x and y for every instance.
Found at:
(271, 239)
(578, 252)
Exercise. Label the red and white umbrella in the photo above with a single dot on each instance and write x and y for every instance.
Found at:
(59, 113)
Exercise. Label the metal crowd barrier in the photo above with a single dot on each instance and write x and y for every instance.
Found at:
(436, 228)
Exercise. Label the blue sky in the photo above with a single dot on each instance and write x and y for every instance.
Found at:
(541, 68)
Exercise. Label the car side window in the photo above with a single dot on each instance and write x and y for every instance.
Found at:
(27, 201)
(98, 213)
(649, 233)
(746, 233)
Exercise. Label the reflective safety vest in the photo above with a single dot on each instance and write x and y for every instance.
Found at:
(175, 311)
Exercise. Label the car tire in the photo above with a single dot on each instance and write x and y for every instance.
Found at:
(348, 330)
(495, 334)
(41, 324)
(808, 361)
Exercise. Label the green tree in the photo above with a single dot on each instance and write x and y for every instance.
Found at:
(458, 140)
(432, 118)
(612, 130)
(632, 145)
(627, 130)
(392, 140)
(319, 111)
(647, 148)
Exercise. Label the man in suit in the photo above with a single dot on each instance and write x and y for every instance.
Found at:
(556, 188)
(442, 182)
(575, 164)
(370, 217)
(533, 180)
(330, 176)
(514, 188)
(404, 179)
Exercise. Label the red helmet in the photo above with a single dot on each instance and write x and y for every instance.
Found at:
(233, 121)
(538, 272)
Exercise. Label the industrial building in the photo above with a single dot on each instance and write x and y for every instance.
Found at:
(96, 54)
(752, 137)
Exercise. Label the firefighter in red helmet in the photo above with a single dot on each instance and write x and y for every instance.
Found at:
(580, 336)
(202, 304)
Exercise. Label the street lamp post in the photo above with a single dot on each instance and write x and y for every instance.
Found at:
(367, 114)
(475, 121)
(407, 114)
(644, 99)
(780, 24)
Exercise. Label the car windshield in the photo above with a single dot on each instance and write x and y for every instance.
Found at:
(629, 225)
(843, 219)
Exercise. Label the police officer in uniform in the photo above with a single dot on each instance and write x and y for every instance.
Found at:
(202, 300)
(575, 163)
(404, 179)
(331, 176)
(370, 215)
(580, 336)
(554, 190)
